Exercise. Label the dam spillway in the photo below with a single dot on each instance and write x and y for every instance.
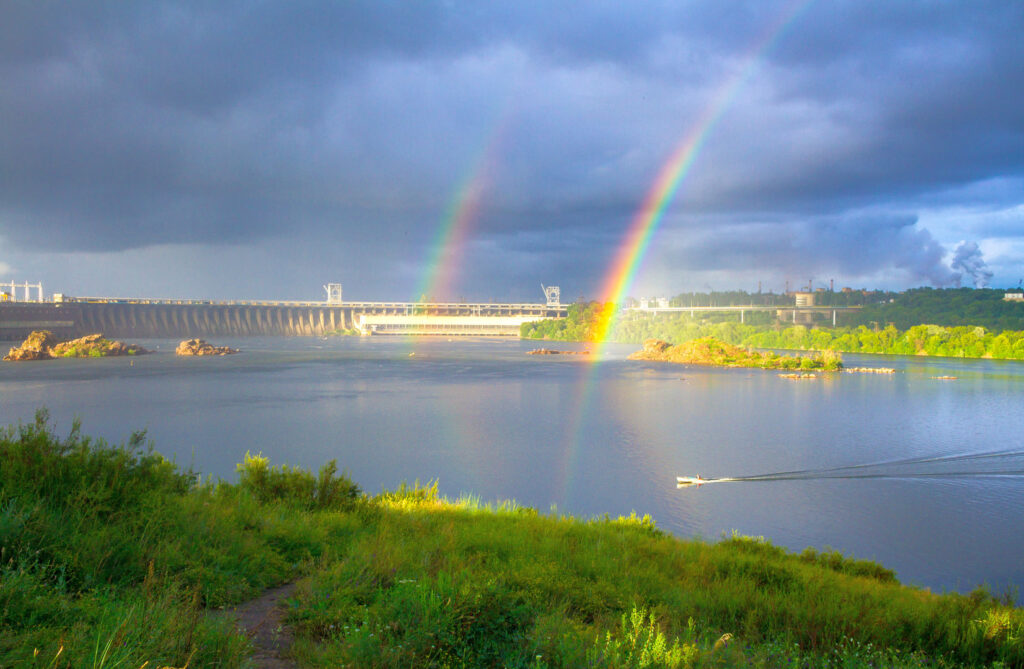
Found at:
(126, 318)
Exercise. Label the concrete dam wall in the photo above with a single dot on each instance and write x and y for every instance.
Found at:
(190, 320)
(170, 319)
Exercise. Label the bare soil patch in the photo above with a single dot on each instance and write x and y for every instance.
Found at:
(262, 620)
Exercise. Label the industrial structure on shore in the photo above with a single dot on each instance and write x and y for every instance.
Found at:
(68, 316)
(23, 309)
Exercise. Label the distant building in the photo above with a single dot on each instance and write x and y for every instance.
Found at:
(804, 299)
(662, 303)
(1013, 297)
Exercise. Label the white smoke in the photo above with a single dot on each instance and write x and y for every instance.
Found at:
(967, 261)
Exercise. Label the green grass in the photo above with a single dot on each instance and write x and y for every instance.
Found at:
(101, 543)
(115, 557)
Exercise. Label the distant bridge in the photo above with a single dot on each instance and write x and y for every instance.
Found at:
(794, 314)
(137, 317)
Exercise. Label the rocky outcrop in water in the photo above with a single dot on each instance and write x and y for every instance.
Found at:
(200, 347)
(35, 347)
(42, 345)
(551, 351)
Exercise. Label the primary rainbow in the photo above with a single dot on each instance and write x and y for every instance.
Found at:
(637, 239)
(645, 223)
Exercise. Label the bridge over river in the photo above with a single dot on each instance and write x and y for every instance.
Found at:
(795, 314)
(133, 317)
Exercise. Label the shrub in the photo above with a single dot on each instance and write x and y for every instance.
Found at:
(82, 474)
(297, 486)
(838, 562)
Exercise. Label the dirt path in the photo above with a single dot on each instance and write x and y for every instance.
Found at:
(262, 620)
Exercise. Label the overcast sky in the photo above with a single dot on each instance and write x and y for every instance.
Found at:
(259, 150)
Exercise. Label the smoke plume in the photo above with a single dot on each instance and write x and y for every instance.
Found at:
(967, 261)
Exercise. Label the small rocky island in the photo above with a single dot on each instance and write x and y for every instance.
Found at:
(710, 351)
(552, 351)
(200, 347)
(43, 345)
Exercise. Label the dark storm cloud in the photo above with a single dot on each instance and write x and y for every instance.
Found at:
(129, 125)
(855, 246)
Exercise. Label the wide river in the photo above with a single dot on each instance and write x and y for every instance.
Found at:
(486, 420)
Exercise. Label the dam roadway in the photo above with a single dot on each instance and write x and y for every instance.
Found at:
(69, 317)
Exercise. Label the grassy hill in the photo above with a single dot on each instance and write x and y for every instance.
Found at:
(115, 557)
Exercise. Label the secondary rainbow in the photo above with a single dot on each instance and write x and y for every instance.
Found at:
(449, 243)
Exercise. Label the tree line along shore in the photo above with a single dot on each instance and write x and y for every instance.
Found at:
(113, 556)
(968, 341)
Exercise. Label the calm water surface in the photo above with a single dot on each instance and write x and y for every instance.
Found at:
(487, 420)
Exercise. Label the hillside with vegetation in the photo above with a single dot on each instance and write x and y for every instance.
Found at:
(951, 307)
(948, 307)
(115, 557)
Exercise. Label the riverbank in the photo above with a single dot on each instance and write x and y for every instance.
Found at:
(128, 565)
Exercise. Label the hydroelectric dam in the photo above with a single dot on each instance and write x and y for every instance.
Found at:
(69, 317)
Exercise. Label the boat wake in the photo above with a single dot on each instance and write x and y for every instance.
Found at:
(1006, 463)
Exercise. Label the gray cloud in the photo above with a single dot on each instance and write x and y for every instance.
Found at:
(132, 126)
(854, 247)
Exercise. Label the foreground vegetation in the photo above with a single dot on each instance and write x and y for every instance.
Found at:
(115, 557)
